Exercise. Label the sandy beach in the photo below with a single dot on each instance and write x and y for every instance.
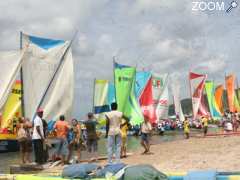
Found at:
(220, 153)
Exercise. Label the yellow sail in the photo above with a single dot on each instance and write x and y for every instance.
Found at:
(12, 109)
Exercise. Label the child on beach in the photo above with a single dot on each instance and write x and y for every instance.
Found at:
(124, 130)
(186, 127)
(146, 129)
(205, 125)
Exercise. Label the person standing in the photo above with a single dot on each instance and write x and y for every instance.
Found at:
(205, 125)
(124, 130)
(91, 135)
(186, 127)
(75, 140)
(62, 127)
(45, 145)
(24, 139)
(38, 137)
(146, 129)
(113, 133)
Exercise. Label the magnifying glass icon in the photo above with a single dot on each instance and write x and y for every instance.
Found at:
(233, 4)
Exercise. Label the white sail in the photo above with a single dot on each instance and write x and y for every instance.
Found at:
(10, 64)
(160, 95)
(177, 103)
(41, 60)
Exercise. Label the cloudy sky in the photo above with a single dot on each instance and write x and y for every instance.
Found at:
(158, 35)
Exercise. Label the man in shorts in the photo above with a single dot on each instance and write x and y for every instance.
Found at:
(146, 129)
(91, 135)
(61, 127)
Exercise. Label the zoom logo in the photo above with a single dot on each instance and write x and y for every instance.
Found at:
(213, 6)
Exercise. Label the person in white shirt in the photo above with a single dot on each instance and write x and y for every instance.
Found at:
(113, 132)
(38, 137)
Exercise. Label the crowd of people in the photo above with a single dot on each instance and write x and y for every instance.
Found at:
(68, 137)
(79, 135)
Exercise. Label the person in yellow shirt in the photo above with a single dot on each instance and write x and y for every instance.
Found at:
(205, 125)
(124, 130)
(186, 127)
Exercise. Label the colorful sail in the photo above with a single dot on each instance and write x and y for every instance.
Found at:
(219, 98)
(210, 89)
(12, 107)
(125, 92)
(203, 110)
(232, 103)
(177, 102)
(100, 96)
(197, 82)
(142, 78)
(160, 95)
(10, 64)
(147, 103)
(111, 93)
(47, 77)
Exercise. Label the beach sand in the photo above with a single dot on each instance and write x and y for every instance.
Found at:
(220, 153)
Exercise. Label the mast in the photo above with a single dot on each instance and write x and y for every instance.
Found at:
(115, 94)
(94, 83)
(190, 91)
(21, 78)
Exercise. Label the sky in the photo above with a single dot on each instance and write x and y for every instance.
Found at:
(164, 36)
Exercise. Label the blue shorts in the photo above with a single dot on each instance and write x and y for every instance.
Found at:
(145, 137)
(61, 147)
(92, 145)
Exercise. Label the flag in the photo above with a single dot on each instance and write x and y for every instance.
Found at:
(47, 77)
(196, 82)
(160, 95)
(124, 78)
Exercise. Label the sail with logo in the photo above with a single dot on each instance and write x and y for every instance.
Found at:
(160, 95)
(124, 79)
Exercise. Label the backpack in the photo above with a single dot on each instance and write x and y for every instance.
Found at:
(21, 134)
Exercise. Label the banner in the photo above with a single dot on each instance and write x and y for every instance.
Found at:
(218, 98)
(100, 101)
(147, 103)
(44, 60)
(160, 95)
(12, 107)
(196, 82)
(210, 88)
(142, 78)
(125, 93)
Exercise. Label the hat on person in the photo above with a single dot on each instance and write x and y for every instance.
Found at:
(40, 110)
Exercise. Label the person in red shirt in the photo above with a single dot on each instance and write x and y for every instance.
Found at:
(62, 127)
